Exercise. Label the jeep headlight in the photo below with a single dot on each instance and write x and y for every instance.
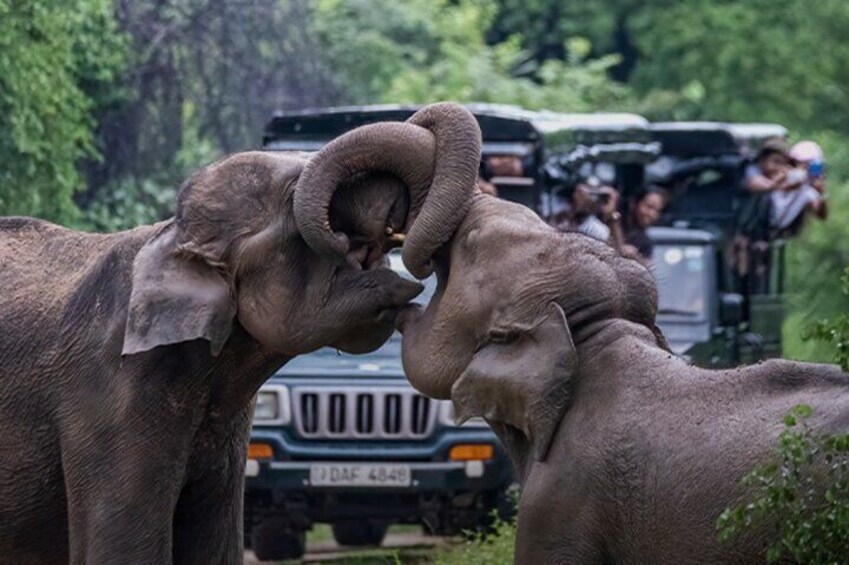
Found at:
(446, 416)
(272, 406)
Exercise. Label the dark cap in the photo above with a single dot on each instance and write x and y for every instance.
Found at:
(774, 145)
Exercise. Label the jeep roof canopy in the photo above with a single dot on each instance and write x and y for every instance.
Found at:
(506, 129)
(534, 136)
(700, 139)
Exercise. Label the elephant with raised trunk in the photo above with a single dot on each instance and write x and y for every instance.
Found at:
(129, 360)
(626, 453)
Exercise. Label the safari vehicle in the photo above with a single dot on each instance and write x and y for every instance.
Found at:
(344, 439)
(720, 274)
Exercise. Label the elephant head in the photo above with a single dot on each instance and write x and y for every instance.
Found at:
(292, 248)
(502, 334)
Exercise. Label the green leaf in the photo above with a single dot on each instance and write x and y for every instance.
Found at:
(803, 411)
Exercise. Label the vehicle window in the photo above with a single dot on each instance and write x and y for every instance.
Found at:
(708, 176)
(681, 275)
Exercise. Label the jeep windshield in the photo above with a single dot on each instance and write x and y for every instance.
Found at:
(385, 358)
(681, 272)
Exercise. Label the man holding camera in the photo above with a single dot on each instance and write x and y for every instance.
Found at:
(590, 208)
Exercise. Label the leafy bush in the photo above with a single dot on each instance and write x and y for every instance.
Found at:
(834, 332)
(817, 258)
(810, 515)
(491, 547)
(128, 203)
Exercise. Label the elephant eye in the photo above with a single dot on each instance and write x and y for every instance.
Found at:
(502, 336)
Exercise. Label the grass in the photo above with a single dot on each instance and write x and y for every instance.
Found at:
(493, 549)
(323, 532)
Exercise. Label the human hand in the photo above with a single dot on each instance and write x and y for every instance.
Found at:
(629, 251)
(779, 181)
(794, 178)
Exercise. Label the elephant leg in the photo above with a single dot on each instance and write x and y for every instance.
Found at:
(121, 512)
(557, 540)
(208, 523)
(558, 524)
(123, 475)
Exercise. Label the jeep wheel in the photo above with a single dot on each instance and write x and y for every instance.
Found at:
(359, 533)
(272, 541)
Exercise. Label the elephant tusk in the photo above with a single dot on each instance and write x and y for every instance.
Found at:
(395, 240)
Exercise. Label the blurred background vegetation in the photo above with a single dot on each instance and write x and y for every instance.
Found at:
(106, 105)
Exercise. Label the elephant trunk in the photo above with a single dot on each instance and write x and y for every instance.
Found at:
(435, 154)
(458, 155)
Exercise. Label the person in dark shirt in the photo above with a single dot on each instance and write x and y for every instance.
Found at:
(644, 211)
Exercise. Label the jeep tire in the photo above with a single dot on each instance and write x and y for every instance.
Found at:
(273, 541)
(359, 534)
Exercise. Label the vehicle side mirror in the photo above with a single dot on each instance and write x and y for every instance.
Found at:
(730, 308)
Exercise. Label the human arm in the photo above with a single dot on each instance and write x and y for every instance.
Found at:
(757, 182)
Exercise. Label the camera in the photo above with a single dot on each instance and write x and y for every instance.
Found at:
(816, 169)
(600, 196)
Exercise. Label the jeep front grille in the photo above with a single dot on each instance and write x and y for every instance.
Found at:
(359, 413)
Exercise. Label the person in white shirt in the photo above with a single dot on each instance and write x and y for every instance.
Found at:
(589, 209)
(776, 172)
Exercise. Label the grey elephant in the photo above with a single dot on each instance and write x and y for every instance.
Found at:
(129, 360)
(626, 454)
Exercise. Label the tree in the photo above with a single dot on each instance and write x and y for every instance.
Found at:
(54, 57)
(203, 78)
(762, 60)
(437, 50)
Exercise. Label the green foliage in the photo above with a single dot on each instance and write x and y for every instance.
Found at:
(369, 42)
(816, 260)
(763, 60)
(494, 548)
(464, 67)
(128, 203)
(491, 547)
(834, 332)
(803, 499)
(422, 51)
(51, 55)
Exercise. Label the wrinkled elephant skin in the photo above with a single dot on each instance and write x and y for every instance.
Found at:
(626, 453)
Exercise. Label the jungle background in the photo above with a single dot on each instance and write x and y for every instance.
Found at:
(106, 105)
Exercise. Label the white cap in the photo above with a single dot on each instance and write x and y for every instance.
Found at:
(806, 151)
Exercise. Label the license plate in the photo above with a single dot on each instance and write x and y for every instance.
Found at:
(360, 475)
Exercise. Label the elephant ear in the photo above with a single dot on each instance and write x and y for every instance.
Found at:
(522, 380)
(177, 296)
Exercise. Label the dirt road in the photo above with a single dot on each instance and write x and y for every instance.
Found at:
(328, 550)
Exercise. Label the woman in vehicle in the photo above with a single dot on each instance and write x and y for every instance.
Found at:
(644, 211)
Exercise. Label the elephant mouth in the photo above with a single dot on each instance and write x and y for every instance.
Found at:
(366, 254)
(406, 315)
